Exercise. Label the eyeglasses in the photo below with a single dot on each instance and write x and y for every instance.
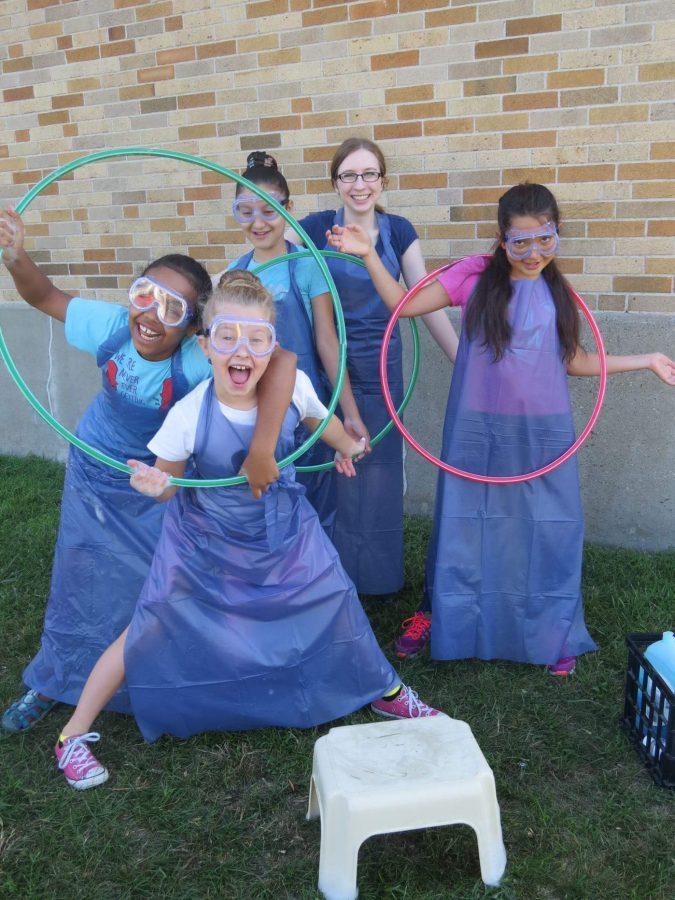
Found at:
(173, 310)
(522, 244)
(351, 177)
(228, 333)
(246, 210)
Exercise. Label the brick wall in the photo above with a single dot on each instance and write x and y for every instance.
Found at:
(466, 98)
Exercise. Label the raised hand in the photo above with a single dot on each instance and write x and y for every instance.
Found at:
(148, 480)
(11, 235)
(350, 239)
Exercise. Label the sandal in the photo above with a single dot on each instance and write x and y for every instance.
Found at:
(23, 714)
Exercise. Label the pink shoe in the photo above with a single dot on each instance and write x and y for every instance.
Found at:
(78, 763)
(416, 631)
(563, 667)
(405, 705)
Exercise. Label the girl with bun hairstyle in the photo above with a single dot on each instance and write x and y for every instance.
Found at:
(304, 314)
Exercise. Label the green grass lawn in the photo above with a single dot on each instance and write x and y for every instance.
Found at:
(222, 816)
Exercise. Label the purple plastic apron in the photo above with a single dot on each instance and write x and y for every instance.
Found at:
(247, 618)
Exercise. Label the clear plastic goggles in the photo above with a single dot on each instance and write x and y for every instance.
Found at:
(228, 333)
(172, 309)
(247, 209)
(522, 244)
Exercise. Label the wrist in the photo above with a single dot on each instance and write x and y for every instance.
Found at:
(261, 446)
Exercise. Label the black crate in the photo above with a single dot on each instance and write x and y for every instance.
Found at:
(649, 711)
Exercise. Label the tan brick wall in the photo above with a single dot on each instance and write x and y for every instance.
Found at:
(465, 97)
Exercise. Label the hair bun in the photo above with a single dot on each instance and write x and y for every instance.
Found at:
(239, 278)
(261, 159)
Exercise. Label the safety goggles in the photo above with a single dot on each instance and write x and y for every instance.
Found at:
(247, 209)
(172, 309)
(228, 333)
(521, 244)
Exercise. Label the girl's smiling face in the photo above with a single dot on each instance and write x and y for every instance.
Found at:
(236, 375)
(266, 235)
(153, 340)
(360, 196)
(533, 265)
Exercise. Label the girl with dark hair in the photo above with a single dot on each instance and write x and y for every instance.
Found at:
(149, 358)
(369, 523)
(504, 564)
(304, 314)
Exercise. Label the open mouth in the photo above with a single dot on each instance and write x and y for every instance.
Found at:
(146, 334)
(239, 375)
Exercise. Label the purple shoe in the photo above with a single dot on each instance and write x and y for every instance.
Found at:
(415, 635)
(405, 705)
(563, 667)
(78, 763)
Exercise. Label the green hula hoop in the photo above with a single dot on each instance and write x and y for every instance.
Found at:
(27, 199)
(297, 254)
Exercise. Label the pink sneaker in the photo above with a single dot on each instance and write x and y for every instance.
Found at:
(563, 667)
(78, 763)
(416, 632)
(406, 705)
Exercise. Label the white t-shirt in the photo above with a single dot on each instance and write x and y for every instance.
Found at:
(175, 440)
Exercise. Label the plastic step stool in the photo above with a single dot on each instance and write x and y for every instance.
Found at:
(397, 776)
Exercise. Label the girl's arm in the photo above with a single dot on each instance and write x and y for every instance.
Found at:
(353, 239)
(29, 280)
(153, 481)
(437, 322)
(275, 392)
(336, 437)
(583, 363)
(328, 348)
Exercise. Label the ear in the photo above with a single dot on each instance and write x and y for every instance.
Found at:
(204, 344)
(289, 206)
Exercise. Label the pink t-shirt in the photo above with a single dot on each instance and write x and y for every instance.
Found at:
(460, 280)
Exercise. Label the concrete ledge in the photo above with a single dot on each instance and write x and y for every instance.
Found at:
(627, 465)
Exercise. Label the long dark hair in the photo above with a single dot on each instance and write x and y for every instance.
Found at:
(262, 169)
(189, 268)
(486, 313)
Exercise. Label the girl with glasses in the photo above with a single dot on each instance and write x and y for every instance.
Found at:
(503, 577)
(369, 524)
(304, 314)
(247, 619)
(149, 358)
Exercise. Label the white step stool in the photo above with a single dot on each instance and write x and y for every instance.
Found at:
(396, 776)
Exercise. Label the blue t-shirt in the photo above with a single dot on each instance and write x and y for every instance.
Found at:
(91, 322)
(402, 231)
(308, 280)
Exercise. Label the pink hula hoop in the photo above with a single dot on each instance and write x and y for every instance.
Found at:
(471, 476)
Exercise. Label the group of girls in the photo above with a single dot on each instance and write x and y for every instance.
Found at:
(239, 609)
